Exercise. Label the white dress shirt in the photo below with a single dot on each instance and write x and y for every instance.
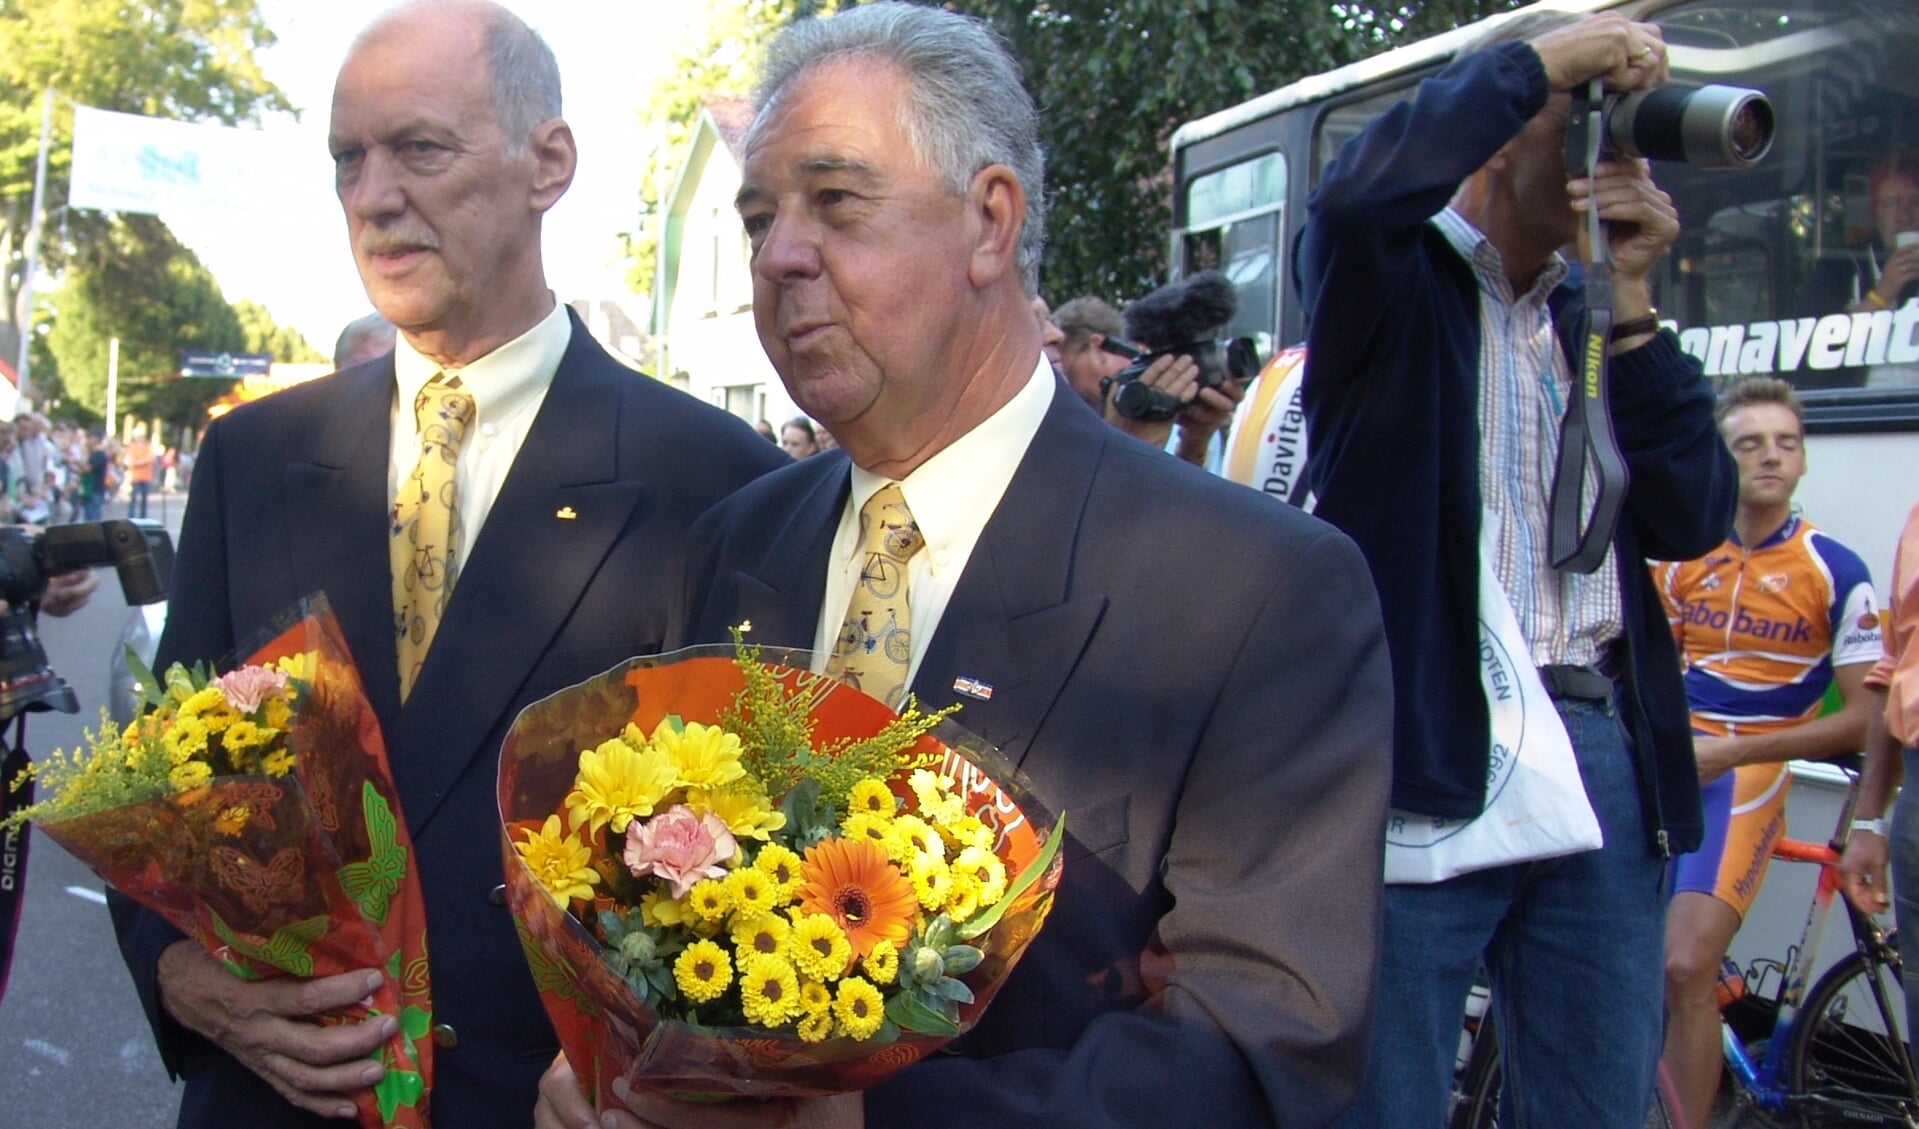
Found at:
(507, 385)
(952, 496)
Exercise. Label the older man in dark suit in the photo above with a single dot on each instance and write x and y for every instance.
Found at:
(1195, 675)
(572, 482)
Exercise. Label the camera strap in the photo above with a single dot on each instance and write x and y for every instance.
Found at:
(1586, 435)
(13, 847)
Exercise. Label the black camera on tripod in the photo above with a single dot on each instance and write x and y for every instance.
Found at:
(1178, 319)
(143, 557)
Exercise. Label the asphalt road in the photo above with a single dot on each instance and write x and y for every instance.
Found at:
(75, 1049)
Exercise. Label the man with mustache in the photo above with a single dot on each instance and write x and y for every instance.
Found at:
(573, 481)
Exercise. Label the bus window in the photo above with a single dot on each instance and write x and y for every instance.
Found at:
(1776, 267)
(1234, 217)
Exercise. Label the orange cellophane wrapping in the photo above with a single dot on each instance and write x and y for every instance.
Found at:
(606, 1032)
(272, 900)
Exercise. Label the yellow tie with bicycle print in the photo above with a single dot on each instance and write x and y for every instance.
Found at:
(426, 536)
(875, 643)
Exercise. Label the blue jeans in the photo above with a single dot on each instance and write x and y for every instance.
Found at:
(1903, 849)
(1573, 946)
(137, 501)
(90, 507)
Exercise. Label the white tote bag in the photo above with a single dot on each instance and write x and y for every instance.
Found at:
(1536, 806)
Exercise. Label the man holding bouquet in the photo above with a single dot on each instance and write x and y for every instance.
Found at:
(1221, 766)
(495, 509)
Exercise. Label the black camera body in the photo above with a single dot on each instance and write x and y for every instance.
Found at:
(1178, 319)
(143, 558)
(1708, 127)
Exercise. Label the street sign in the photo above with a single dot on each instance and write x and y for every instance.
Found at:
(228, 365)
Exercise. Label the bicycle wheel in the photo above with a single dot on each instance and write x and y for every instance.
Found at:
(1848, 1062)
(1476, 1096)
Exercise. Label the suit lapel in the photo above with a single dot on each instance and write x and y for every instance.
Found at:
(558, 513)
(781, 595)
(338, 527)
(1014, 622)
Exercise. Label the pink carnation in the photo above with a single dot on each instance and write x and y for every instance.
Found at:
(679, 846)
(249, 686)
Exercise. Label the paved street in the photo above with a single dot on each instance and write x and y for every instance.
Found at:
(75, 1049)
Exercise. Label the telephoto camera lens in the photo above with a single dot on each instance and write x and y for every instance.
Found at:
(1711, 127)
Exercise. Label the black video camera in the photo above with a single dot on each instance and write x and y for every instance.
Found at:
(1708, 127)
(1178, 319)
(142, 556)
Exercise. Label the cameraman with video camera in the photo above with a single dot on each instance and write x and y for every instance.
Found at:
(1436, 389)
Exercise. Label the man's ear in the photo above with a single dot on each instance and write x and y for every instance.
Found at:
(555, 156)
(998, 205)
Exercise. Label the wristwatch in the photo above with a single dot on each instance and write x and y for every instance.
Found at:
(1876, 826)
(1633, 327)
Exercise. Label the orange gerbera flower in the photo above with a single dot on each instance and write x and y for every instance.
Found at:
(853, 882)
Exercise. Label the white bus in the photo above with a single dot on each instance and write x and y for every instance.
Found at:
(1759, 281)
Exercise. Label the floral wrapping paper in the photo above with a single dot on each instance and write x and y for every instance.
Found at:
(607, 1032)
(307, 874)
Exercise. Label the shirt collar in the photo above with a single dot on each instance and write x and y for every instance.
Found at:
(501, 382)
(1476, 249)
(1777, 537)
(953, 493)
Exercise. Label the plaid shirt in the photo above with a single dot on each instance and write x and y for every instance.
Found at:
(1523, 387)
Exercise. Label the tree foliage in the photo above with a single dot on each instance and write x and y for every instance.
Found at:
(138, 284)
(1114, 78)
(264, 335)
(715, 60)
(192, 60)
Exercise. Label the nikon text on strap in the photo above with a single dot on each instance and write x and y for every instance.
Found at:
(1586, 433)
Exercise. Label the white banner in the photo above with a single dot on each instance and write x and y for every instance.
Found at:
(130, 163)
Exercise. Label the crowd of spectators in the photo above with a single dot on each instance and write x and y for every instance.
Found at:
(53, 472)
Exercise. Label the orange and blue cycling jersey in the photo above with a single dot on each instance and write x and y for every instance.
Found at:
(1761, 631)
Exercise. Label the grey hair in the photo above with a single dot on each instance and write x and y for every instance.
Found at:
(967, 108)
(523, 77)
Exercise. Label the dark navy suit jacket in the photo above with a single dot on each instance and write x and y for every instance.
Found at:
(289, 498)
(1196, 675)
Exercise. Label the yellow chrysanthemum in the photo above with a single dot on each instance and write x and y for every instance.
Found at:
(815, 997)
(749, 892)
(871, 795)
(815, 1026)
(276, 712)
(883, 963)
(932, 884)
(298, 667)
(769, 990)
(615, 783)
(747, 813)
(782, 866)
(243, 734)
(232, 820)
(937, 804)
(988, 869)
(858, 1007)
(963, 899)
(702, 971)
(877, 829)
(917, 837)
(762, 935)
(818, 948)
(703, 756)
(192, 774)
(658, 908)
(279, 762)
(206, 700)
(708, 901)
(560, 863)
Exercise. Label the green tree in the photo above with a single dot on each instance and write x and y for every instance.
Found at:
(715, 60)
(264, 335)
(138, 284)
(1114, 78)
(192, 60)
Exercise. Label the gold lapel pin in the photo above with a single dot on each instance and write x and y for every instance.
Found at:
(565, 513)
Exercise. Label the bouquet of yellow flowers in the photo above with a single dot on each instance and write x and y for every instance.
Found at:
(255, 812)
(732, 876)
